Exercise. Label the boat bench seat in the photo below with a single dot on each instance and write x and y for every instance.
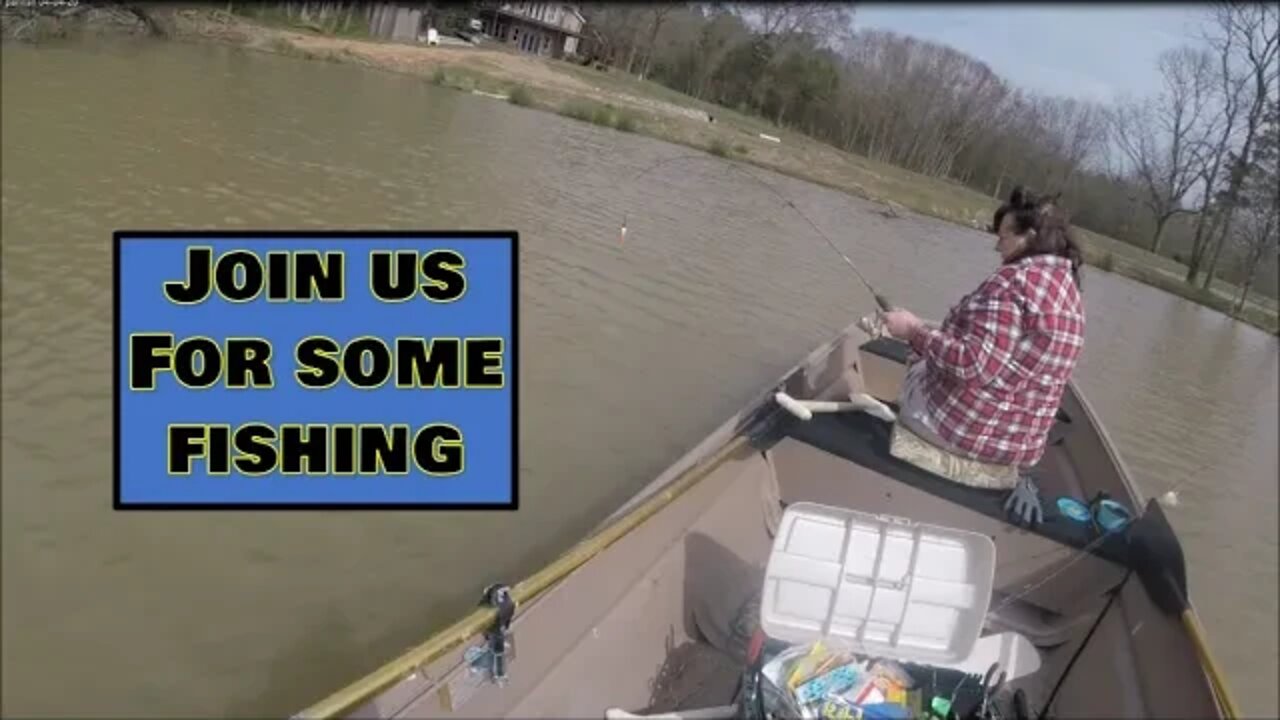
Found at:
(865, 440)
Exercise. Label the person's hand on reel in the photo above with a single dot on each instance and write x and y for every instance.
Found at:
(901, 324)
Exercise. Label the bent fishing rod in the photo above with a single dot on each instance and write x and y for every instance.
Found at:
(881, 300)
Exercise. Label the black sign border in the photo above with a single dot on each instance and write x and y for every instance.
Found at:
(117, 241)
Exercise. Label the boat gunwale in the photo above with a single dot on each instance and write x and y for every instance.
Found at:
(735, 432)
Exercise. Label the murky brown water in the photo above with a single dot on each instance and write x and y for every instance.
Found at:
(717, 290)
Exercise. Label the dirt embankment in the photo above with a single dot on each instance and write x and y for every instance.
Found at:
(501, 65)
(223, 27)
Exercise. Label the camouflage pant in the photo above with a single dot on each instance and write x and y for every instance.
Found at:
(915, 439)
(725, 594)
(727, 620)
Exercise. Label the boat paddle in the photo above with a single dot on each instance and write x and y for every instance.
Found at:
(1156, 556)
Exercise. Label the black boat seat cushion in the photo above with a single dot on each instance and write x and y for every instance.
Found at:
(865, 440)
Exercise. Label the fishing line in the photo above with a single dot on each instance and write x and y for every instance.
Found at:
(1111, 598)
(1169, 498)
(1068, 561)
(881, 300)
(1083, 552)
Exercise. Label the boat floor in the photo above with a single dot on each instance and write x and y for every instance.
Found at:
(695, 675)
(617, 632)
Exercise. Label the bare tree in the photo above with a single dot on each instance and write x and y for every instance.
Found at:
(659, 13)
(1231, 94)
(1073, 130)
(618, 26)
(918, 104)
(1162, 137)
(783, 19)
(1258, 234)
(717, 37)
(1250, 33)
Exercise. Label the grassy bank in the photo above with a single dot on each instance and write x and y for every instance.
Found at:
(625, 103)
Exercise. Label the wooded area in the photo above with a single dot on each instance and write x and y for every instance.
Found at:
(1187, 171)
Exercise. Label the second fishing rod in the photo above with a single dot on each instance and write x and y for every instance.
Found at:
(881, 300)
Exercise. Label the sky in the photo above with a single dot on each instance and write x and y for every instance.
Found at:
(1092, 52)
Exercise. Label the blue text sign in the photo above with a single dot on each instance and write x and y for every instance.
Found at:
(289, 370)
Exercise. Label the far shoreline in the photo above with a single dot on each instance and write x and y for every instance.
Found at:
(626, 104)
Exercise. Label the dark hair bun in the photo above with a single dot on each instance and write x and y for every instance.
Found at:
(1047, 224)
(1023, 199)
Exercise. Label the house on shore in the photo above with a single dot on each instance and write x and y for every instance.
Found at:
(540, 28)
(396, 21)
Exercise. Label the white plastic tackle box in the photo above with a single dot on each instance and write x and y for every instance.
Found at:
(877, 585)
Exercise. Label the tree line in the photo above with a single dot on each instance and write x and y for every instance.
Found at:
(1187, 171)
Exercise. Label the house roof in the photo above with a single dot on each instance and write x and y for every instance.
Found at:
(541, 23)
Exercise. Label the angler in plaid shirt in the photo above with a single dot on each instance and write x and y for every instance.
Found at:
(989, 380)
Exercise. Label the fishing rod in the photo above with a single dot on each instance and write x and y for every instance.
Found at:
(881, 300)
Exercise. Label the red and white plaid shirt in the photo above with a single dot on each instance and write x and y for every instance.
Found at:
(997, 367)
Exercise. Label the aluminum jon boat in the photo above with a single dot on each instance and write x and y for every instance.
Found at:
(641, 615)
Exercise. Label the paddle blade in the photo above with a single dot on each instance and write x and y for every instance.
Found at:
(1156, 556)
